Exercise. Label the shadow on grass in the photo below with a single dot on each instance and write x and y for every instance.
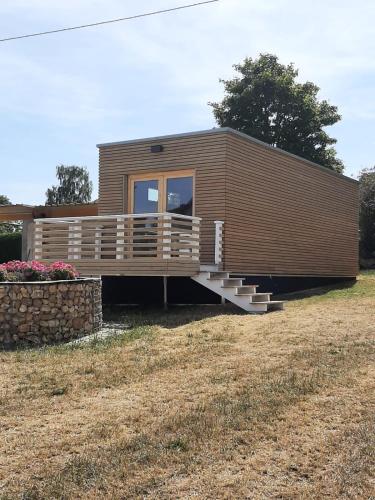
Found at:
(175, 315)
(318, 291)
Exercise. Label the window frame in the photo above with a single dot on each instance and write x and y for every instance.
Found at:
(162, 178)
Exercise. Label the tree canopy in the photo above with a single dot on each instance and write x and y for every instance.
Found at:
(4, 200)
(74, 186)
(367, 212)
(266, 102)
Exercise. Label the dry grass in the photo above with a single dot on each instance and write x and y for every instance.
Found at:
(205, 403)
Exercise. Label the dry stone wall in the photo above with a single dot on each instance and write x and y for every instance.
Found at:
(50, 311)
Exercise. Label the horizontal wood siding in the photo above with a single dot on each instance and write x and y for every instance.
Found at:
(136, 267)
(282, 215)
(205, 154)
(286, 217)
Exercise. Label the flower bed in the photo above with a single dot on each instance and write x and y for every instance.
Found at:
(17, 270)
(44, 304)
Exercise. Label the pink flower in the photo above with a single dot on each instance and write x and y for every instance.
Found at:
(37, 271)
(61, 270)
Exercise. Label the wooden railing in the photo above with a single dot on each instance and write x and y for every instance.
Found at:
(122, 237)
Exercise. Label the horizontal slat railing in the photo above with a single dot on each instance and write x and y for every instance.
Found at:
(118, 237)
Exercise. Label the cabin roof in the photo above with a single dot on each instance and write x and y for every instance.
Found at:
(225, 130)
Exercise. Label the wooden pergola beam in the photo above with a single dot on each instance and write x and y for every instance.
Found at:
(9, 213)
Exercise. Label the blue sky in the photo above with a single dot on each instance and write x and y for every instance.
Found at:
(62, 94)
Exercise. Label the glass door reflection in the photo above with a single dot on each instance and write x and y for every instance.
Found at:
(146, 196)
(179, 195)
(146, 200)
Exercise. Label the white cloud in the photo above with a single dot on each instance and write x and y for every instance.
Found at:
(157, 74)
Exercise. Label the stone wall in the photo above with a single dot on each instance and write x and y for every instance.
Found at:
(50, 311)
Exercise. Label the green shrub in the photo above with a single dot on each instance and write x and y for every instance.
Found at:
(10, 247)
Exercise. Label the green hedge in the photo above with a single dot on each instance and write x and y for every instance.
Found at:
(10, 247)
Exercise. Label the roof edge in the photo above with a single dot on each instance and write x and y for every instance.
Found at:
(166, 137)
(226, 130)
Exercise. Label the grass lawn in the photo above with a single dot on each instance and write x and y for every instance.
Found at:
(199, 402)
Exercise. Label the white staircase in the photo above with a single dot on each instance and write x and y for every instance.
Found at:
(244, 296)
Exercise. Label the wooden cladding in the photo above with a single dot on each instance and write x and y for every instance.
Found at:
(204, 155)
(140, 243)
(287, 217)
(282, 215)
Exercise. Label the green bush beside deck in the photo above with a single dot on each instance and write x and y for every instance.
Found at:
(10, 247)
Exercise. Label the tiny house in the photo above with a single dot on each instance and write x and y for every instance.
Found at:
(216, 206)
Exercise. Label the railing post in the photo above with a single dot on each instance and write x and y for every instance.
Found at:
(37, 240)
(167, 236)
(26, 239)
(120, 238)
(74, 241)
(219, 241)
(195, 238)
(78, 240)
(98, 240)
(71, 242)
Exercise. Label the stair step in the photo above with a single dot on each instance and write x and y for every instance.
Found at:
(268, 302)
(272, 305)
(262, 307)
(219, 276)
(256, 297)
(246, 289)
(232, 282)
(208, 268)
(255, 307)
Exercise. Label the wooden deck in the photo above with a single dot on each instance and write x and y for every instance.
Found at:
(163, 244)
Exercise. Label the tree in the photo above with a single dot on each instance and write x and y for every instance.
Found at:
(8, 227)
(367, 212)
(4, 200)
(266, 102)
(74, 186)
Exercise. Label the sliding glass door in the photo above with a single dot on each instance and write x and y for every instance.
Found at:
(157, 193)
(165, 192)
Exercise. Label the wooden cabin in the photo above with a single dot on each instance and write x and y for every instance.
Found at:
(216, 206)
